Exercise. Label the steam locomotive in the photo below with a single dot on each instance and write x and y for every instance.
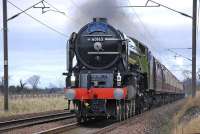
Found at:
(112, 75)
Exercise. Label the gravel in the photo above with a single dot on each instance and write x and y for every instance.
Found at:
(156, 121)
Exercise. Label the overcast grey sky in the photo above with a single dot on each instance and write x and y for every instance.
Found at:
(35, 49)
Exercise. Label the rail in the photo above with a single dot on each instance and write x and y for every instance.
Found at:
(19, 123)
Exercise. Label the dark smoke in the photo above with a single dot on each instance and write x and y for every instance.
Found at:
(120, 18)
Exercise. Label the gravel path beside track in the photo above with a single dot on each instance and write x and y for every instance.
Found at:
(156, 121)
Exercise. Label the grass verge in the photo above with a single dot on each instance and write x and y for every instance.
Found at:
(32, 105)
(185, 122)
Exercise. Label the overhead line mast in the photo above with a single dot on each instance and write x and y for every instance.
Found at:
(5, 46)
(194, 41)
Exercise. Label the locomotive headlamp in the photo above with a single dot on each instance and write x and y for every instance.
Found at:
(119, 78)
(73, 79)
(118, 93)
(70, 94)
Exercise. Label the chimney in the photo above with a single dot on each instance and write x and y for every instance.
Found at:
(100, 20)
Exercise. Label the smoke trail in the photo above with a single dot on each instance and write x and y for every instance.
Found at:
(118, 17)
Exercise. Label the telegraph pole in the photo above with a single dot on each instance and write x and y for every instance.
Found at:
(194, 41)
(5, 44)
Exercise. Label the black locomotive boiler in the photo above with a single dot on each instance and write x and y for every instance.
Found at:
(112, 75)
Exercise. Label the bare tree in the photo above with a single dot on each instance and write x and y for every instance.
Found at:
(1, 84)
(198, 74)
(187, 74)
(22, 84)
(51, 86)
(1, 81)
(61, 82)
(34, 81)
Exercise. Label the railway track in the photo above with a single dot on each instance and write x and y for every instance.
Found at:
(91, 127)
(25, 122)
(60, 129)
(111, 127)
(99, 127)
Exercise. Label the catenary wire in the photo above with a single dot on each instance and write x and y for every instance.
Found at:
(37, 20)
(67, 16)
